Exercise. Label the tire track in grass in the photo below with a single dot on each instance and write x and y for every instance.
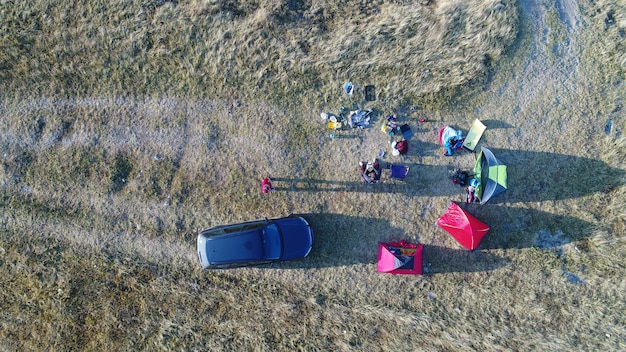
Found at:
(27, 219)
(188, 133)
(128, 128)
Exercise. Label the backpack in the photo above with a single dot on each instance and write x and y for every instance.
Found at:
(403, 147)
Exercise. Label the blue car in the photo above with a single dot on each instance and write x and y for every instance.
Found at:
(255, 242)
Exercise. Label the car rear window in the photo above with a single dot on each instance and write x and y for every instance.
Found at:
(272, 244)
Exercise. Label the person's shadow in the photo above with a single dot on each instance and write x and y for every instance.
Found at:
(303, 184)
(420, 180)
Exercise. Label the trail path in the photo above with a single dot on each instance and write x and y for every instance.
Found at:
(538, 73)
(547, 67)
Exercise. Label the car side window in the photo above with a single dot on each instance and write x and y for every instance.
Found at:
(238, 228)
(233, 229)
(272, 244)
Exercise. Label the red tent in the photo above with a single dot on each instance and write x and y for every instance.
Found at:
(465, 228)
(400, 258)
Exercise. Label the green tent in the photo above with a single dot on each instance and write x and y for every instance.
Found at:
(492, 175)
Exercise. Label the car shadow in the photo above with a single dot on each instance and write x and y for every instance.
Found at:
(513, 227)
(342, 240)
(438, 260)
(539, 176)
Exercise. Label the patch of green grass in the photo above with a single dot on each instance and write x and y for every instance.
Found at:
(120, 172)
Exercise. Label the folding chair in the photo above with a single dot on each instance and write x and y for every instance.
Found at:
(399, 171)
(406, 132)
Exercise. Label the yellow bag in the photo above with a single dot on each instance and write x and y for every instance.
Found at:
(333, 125)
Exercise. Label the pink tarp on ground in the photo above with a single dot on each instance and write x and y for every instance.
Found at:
(400, 258)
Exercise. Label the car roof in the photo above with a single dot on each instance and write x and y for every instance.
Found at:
(233, 248)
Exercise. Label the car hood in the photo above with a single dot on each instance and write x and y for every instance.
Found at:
(297, 238)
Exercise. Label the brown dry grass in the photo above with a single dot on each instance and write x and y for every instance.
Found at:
(128, 126)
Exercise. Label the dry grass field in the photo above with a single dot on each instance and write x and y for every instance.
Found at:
(126, 126)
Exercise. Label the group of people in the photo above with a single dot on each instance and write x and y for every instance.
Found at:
(370, 171)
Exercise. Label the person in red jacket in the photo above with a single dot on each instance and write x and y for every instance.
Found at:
(267, 186)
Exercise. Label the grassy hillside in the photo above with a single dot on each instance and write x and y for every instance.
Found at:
(295, 50)
(127, 126)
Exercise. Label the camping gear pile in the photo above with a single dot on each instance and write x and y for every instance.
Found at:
(400, 148)
(355, 119)
(390, 126)
(451, 139)
(332, 122)
(359, 118)
(487, 179)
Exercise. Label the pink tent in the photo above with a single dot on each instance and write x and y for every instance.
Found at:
(400, 258)
(466, 229)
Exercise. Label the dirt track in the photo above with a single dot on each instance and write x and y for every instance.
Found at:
(536, 76)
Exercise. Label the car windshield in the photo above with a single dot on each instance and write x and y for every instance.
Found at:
(272, 245)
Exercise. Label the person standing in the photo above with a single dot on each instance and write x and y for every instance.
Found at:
(471, 191)
(267, 186)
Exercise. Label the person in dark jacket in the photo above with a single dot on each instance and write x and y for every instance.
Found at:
(370, 172)
(461, 178)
